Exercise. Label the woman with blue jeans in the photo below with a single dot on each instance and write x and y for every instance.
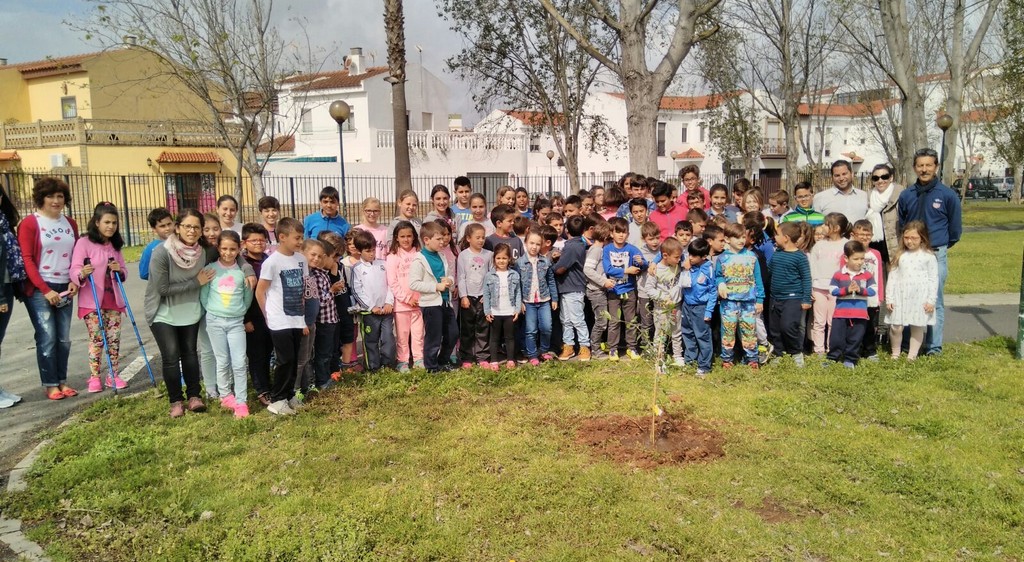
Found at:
(47, 239)
(12, 273)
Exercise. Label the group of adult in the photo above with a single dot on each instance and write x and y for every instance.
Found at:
(890, 206)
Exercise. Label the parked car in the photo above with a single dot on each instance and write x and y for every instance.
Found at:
(979, 188)
(1003, 185)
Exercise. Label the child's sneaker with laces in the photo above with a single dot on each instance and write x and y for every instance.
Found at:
(679, 362)
(241, 410)
(116, 382)
(546, 357)
(584, 354)
(95, 385)
(228, 402)
(417, 364)
(467, 365)
(534, 361)
(632, 355)
(510, 364)
(799, 360)
(701, 374)
(567, 353)
(403, 367)
(494, 366)
(613, 356)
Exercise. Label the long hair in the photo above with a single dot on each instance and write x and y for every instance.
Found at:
(93, 231)
(402, 225)
(448, 213)
(922, 230)
(8, 209)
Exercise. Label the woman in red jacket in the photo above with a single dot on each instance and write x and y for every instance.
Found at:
(47, 239)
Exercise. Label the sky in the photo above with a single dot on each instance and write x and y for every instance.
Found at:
(334, 26)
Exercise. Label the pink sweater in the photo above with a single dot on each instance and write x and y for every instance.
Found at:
(825, 257)
(99, 255)
(398, 279)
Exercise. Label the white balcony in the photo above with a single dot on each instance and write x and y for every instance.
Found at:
(446, 141)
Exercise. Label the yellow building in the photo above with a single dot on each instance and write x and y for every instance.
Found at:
(118, 126)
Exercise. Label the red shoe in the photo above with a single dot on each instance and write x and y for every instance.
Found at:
(67, 391)
(755, 366)
(54, 393)
(510, 364)
(727, 364)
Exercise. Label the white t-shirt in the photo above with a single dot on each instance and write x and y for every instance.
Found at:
(285, 307)
(57, 239)
(504, 305)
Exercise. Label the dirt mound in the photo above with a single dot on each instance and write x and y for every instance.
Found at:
(626, 440)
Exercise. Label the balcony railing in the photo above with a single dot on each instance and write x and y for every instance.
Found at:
(773, 148)
(113, 132)
(446, 141)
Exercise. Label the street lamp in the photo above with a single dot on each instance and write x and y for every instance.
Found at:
(551, 156)
(944, 122)
(340, 112)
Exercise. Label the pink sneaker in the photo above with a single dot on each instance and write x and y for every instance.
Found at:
(547, 357)
(467, 365)
(241, 411)
(534, 361)
(494, 366)
(229, 402)
(95, 385)
(510, 364)
(485, 365)
(117, 380)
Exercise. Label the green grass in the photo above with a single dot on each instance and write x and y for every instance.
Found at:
(898, 461)
(132, 253)
(986, 262)
(992, 213)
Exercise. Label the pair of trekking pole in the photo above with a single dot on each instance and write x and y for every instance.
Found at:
(103, 332)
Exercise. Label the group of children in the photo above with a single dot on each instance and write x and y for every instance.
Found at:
(598, 274)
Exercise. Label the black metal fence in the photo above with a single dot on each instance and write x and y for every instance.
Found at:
(135, 195)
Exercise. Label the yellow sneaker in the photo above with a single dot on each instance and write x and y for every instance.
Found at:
(584, 354)
(567, 353)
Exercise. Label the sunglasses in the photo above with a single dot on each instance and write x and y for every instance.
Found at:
(881, 177)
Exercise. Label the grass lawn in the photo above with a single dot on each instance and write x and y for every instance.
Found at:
(986, 262)
(897, 461)
(992, 213)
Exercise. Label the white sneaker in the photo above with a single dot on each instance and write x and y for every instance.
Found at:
(280, 408)
(679, 362)
(295, 403)
(6, 403)
(4, 395)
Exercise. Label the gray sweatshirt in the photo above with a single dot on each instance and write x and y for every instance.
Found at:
(593, 267)
(172, 286)
(470, 271)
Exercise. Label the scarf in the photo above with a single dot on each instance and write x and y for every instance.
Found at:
(436, 263)
(14, 262)
(183, 255)
(877, 201)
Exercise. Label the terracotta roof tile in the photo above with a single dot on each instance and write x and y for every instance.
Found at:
(167, 157)
(54, 63)
(532, 118)
(846, 110)
(688, 154)
(687, 103)
(9, 155)
(333, 80)
(281, 144)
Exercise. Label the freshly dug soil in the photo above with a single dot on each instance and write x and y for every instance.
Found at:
(626, 440)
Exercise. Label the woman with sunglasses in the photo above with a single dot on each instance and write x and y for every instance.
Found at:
(882, 211)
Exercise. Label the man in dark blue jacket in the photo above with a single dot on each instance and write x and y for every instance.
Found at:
(939, 208)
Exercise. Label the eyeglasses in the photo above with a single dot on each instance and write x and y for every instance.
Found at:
(881, 177)
(371, 210)
(190, 227)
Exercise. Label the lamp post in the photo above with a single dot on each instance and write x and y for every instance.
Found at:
(340, 112)
(551, 156)
(944, 122)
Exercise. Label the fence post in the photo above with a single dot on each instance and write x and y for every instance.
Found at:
(291, 189)
(125, 215)
(1020, 317)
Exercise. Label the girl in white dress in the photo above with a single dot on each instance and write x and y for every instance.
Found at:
(912, 289)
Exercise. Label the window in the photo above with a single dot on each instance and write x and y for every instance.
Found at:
(350, 123)
(534, 143)
(702, 132)
(68, 107)
(307, 121)
(684, 134)
(661, 139)
(427, 121)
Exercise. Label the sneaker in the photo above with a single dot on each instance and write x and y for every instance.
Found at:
(754, 366)
(177, 410)
(727, 364)
(701, 374)
(546, 357)
(264, 398)
(117, 380)
(534, 362)
(295, 404)
(195, 405)
(4, 395)
(799, 360)
(494, 366)
(228, 402)
(241, 411)
(279, 408)
(567, 352)
(510, 364)
(613, 356)
(632, 355)
(417, 364)
(6, 403)
(872, 358)
(584, 354)
(403, 367)
(467, 365)
(485, 365)
(849, 364)
(94, 385)
(764, 351)
(679, 362)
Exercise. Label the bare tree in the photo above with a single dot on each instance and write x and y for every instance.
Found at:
(518, 55)
(1004, 106)
(226, 52)
(394, 26)
(643, 87)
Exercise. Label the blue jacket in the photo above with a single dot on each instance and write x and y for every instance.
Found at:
(491, 290)
(545, 274)
(740, 272)
(941, 211)
(702, 290)
(316, 223)
(615, 262)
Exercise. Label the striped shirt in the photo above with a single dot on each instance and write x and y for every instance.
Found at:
(852, 305)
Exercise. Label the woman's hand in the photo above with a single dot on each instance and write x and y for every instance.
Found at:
(205, 276)
(464, 302)
(929, 307)
(889, 306)
(249, 328)
(489, 318)
(53, 297)
(250, 282)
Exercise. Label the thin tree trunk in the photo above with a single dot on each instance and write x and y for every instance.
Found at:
(394, 23)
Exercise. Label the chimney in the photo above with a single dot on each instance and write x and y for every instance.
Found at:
(131, 40)
(355, 62)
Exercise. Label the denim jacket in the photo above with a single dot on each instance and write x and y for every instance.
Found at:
(545, 275)
(491, 290)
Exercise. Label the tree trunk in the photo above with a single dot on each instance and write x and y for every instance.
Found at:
(394, 23)
(1018, 172)
(904, 74)
(238, 178)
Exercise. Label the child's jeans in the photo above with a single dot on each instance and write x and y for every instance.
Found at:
(207, 360)
(112, 326)
(845, 339)
(286, 353)
(738, 315)
(786, 326)
(378, 340)
(227, 339)
(622, 308)
(824, 306)
(667, 324)
(409, 323)
(324, 352)
(599, 306)
(538, 320)
(441, 334)
(696, 334)
(574, 324)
